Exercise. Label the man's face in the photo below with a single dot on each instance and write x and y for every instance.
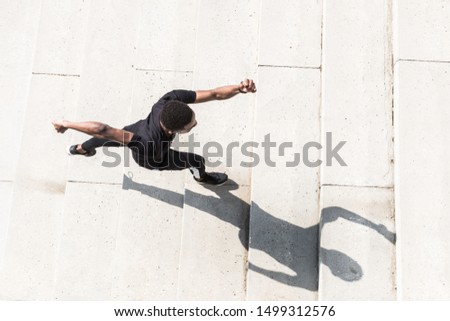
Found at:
(189, 126)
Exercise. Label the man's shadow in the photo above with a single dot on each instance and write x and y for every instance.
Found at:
(294, 247)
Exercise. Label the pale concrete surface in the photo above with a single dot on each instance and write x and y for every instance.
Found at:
(107, 80)
(356, 91)
(302, 21)
(74, 229)
(148, 241)
(214, 242)
(221, 24)
(422, 30)
(61, 37)
(422, 179)
(19, 21)
(83, 267)
(284, 212)
(357, 244)
(167, 35)
(39, 191)
(146, 263)
(6, 189)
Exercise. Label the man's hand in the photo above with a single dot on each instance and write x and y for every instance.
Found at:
(59, 126)
(95, 129)
(225, 92)
(247, 86)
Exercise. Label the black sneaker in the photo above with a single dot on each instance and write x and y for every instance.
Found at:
(72, 150)
(213, 179)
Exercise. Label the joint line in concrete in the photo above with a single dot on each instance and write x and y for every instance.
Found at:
(52, 74)
(362, 186)
(94, 183)
(165, 70)
(294, 67)
(424, 60)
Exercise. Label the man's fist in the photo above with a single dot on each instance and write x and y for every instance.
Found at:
(59, 126)
(247, 86)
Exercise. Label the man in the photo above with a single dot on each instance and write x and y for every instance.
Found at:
(150, 138)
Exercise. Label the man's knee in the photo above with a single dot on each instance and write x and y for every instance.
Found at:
(193, 160)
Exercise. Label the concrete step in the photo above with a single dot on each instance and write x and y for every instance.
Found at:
(290, 34)
(38, 198)
(6, 190)
(18, 31)
(422, 179)
(99, 54)
(148, 239)
(357, 244)
(83, 267)
(217, 63)
(55, 40)
(131, 274)
(357, 91)
(284, 214)
(62, 37)
(20, 20)
(167, 35)
(421, 30)
(214, 242)
(106, 81)
(213, 253)
(357, 261)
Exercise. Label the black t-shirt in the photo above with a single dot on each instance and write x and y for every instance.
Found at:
(150, 144)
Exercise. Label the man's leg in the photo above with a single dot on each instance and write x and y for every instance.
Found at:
(89, 146)
(196, 164)
(182, 160)
(94, 142)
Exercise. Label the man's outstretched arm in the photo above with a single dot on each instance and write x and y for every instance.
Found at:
(95, 129)
(225, 92)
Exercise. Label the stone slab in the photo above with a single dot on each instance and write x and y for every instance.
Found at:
(19, 21)
(6, 189)
(422, 179)
(356, 91)
(106, 81)
(218, 63)
(213, 257)
(62, 35)
(290, 33)
(39, 188)
(284, 214)
(87, 242)
(28, 267)
(422, 29)
(357, 244)
(167, 35)
(146, 258)
(50, 98)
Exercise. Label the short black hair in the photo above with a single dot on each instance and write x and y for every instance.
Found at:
(176, 114)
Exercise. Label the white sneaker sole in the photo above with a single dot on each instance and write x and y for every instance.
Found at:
(207, 184)
(68, 150)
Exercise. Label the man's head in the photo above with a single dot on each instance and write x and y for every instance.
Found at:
(178, 117)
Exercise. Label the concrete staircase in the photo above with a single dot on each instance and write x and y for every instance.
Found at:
(372, 73)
